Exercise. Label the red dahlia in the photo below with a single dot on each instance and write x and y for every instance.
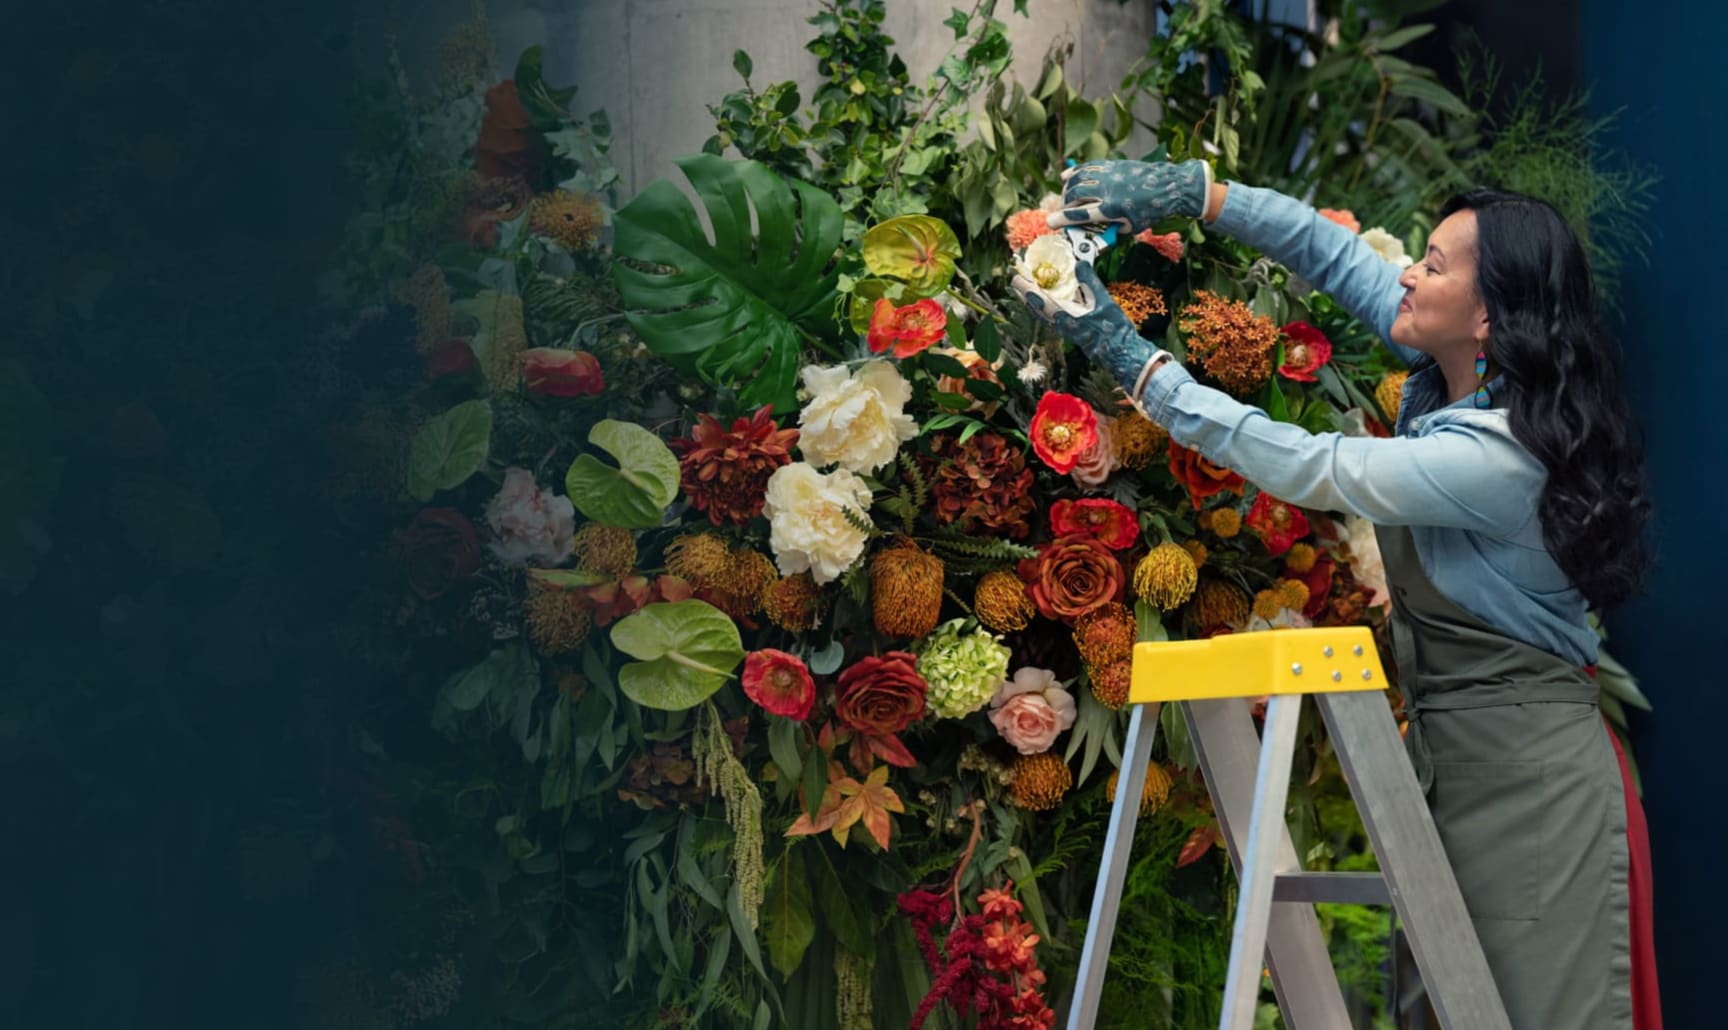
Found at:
(725, 473)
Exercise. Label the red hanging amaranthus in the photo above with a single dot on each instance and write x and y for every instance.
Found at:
(990, 965)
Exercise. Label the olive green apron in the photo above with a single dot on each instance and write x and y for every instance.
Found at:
(1521, 778)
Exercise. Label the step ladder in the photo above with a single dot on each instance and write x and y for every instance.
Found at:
(1249, 780)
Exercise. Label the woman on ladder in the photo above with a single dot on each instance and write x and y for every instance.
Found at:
(1507, 505)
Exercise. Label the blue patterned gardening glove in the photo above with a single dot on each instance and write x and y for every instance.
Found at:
(1086, 316)
(1134, 194)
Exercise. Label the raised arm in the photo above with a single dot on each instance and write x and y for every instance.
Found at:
(1323, 252)
(1137, 194)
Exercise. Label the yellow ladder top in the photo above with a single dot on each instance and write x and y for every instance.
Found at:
(1281, 661)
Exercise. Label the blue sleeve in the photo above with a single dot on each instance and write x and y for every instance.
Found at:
(1325, 253)
(1466, 474)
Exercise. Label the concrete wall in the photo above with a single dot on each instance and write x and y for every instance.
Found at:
(655, 65)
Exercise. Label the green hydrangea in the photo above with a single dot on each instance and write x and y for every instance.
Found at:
(963, 668)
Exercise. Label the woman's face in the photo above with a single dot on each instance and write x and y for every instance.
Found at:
(1442, 310)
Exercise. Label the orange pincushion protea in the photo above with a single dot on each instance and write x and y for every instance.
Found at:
(1062, 429)
(1390, 395)
(1110, 683)
(905, 590)
(1220, 603)
(607, 550)
(558, 620)
(1137, 440)
(1040, 781)
(1001, 602)
(572, 219)
(1153, 794)
(725, 473)
(793, 603)
(1106, 634)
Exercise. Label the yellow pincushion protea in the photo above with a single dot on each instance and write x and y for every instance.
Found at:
(1040, 781)
(1390, 394)
(905, 590)
(1110, 683)
(793, 603)
(1137, 440)
(1220, 603)
(1292, 594)
(574, 220)
(1300, 558)
(557, 624)
(1153, 794)
(1166, 577)
(608, 550)
(1001, 603)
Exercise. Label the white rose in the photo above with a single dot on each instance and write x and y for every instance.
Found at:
(1387, 246)
(855, 420)
(530, 526)
(808, 528)
(1049, 262)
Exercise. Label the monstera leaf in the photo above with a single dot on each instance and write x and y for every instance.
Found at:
(735, 311)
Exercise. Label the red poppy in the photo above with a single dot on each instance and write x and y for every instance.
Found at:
(780, 683)
(907, 330)
(1305, 350)
(1062, 429)
(1277, 524)
(1111, 522)
(1202, 478)
(556, 372)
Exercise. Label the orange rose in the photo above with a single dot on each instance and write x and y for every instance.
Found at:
(1073, 575)
(1202, 478)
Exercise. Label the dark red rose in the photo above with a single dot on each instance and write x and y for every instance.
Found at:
(438, 548)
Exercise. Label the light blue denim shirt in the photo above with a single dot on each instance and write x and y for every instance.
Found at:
(1452, 473)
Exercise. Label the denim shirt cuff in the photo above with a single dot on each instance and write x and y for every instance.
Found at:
(1241, 211)
(1154, 401)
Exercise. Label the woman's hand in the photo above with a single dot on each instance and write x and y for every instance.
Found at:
(1134, 194)
(1097, 326)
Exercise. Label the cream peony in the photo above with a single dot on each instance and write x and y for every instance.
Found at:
(530, 526)
(1365, 560)
(1031, 709)
(856, 420)
(1049, 262)
(808, 528)
(1387, 246)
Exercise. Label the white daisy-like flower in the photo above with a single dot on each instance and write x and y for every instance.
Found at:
(1033, 372)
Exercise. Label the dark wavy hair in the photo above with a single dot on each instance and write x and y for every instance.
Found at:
(1558, 363)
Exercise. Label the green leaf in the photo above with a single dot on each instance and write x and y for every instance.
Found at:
(783, 745)
(741, 64)
(815, 780)
(635, 494)
(986, 340)
(840, 913)
(449, 448)
(1272, 398)
(918, 250)
(568, 579)
(736, 310)
(788, 922)
(498, 673)
(1400, 37)
(959, 21)
(686, 650)
(692, 875)
(1079, 122)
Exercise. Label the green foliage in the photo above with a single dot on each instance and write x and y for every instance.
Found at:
(737, 311)
(684, 651)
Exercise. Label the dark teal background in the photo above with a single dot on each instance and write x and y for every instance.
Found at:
(1663, 64)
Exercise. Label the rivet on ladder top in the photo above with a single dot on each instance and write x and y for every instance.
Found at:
(1367, 674)
(1357, 650)
(1336, 675)
(1327, 652)
(1296, 668)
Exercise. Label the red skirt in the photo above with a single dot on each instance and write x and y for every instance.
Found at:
(1646, 1002)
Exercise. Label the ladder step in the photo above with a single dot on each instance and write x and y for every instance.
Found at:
(1333, 888)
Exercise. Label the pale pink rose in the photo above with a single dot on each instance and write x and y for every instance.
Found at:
(1168, 244)
(530, 526)
(1097, 461)
(1031, 709)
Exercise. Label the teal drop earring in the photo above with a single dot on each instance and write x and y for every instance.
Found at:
(1482, 398)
